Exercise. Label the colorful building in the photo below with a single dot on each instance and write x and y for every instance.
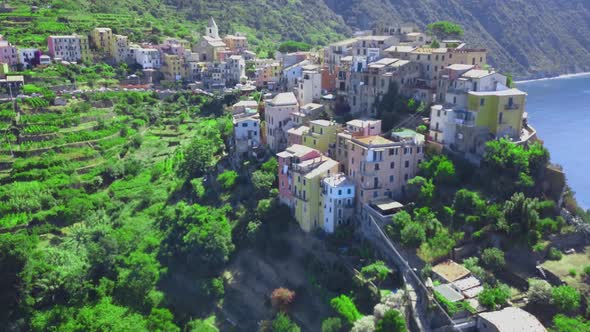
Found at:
(294, 154)
(102, 40)
(307, 178)
(322, 135)
(8, 53)
(381, 167)
(119, 48)
(337, 201)
(277, 116)
(69, 48)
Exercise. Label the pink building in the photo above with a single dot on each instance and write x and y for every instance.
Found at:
(381, 167)
(8, 53)
(293, 155)
(295, 135)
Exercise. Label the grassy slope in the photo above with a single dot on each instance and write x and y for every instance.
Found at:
(266, 23)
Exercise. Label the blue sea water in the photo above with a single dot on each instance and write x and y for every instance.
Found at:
(559, 109)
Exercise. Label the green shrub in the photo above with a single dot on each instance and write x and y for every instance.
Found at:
(346, 308)
(566, 298)
(554, 254)
(227, 179)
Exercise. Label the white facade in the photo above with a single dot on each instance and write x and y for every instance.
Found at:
(45, 60)
(310, 87)
(236, 68)
(148, 58)
(292, 74)
(26, 55)
(337, 201)
(277, 116)
(442, 125)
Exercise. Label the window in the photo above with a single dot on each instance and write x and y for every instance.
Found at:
(405, 150)
(391, 178)
(349, 191)
(352, 161)
(377, 165)
(339, 192)
(438, 113)
(375, 194)
(407, 164)
(362, 193)
(482, 102)
(406, 177)
(392, 165)
(454, 100)
(500, 118)
(244, 125)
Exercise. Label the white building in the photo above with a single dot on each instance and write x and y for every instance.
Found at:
(309, 88)
(246, 129)
(236, 69)
(277, 116)
(292, 74)
(27, 56)
(148, 58)
(509, 319)
(45, 60)
(338, 201)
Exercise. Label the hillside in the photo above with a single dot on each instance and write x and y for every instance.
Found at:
(527, 38)
(556, 39)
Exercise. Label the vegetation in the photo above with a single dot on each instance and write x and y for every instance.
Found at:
(291, 46)
(491, 297)
(445, 30)
(566, 298)
(392, 321)
(346, 308)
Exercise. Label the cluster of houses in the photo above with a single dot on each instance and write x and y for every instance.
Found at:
(328, 171)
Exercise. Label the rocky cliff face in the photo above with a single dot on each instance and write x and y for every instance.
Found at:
(528, 38)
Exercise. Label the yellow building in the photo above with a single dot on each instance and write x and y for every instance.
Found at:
(236, 43)
(173, 68)
(501, 112)
(102, 39)
(321, 135)
(307, 177)
(119, 48)
(85, 49)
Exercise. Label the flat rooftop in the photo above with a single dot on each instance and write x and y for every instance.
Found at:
(506, 92)
(338, 180)
(284, 99)
(451, 271)
(373, 140)
(513, 319)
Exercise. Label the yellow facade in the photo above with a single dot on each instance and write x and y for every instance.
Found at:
(321, 135)
(307, 183)
(173, 68)
(102, 39)
(499, 111)
(85, 49)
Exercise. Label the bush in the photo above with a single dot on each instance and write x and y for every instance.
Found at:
(573, 273)
(554, 254)
(332, 324)
(282, 323)
(570, 324)
(539, 291)
(227, 179)
(281, 298)
(566, 298)
(587, 270)
(491, 297)
(413, 235)
(493, 258)
(346, 308)
(392, 321)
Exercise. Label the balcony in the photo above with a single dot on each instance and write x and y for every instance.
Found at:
(511, 107)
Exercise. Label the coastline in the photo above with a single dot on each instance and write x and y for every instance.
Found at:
(555, 77)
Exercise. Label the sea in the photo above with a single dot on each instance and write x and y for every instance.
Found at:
(559, 109)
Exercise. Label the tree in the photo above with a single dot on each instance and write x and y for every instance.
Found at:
(162, 320)
(392, 321)
(364, 324)
(539, 291)
(491, 297)
(281, 298)
(493, 258)
(566, 298)
(282, 323)
(346, 308)
(270, 166)
(263, 181)
(198, 158)
(421, 190)
(413, 235)
(445, 30)
(377, 271)
(439, 169)
(391, 108)
(227, 179)
(332, 324)
(563, 323)
(291, 46)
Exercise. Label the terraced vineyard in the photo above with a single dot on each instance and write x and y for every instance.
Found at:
(52, 157)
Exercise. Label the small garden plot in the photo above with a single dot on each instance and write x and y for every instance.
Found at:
(570, 268)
